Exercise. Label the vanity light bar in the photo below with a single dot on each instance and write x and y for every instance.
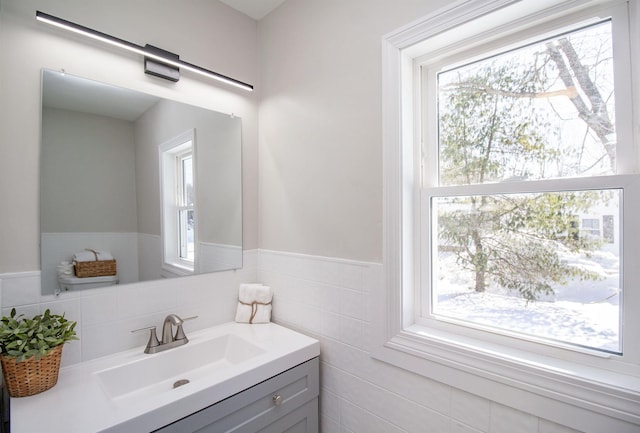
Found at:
(121, 43)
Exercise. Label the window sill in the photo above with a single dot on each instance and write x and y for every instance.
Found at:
(170, 270)
(571, 394)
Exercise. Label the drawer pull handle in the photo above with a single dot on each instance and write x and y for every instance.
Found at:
(277, 400)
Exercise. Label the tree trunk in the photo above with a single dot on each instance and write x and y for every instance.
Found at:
(479, 262)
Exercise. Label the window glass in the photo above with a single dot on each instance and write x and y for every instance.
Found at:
(186, 214)
(187, 244)
(519, 263)
(542, 263)
(186, 163)
(544, 110)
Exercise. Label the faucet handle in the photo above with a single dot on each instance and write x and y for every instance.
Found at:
(153, 338)
(180, 335)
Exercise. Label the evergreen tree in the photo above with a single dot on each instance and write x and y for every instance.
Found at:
(493, 130)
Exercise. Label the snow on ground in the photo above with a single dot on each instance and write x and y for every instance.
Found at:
(585, 313)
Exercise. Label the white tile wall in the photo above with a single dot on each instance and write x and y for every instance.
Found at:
(328, 299)
(107, 315)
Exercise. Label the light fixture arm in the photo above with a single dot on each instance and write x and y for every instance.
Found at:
(144, 51)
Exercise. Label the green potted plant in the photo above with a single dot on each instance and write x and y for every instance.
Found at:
(31, 349)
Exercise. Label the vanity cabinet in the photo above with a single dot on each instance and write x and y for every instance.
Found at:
(286, 403)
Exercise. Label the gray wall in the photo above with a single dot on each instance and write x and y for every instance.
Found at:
(320, 124)
(92, 156)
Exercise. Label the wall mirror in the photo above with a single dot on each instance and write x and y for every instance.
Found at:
(152, 183)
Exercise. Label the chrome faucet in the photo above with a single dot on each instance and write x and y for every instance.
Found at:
(167, 329)
(169, 339)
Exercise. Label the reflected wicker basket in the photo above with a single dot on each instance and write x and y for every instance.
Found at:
(31, 376)
(96, 268)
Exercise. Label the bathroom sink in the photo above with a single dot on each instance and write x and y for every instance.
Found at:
(169, 370)
(132, 391)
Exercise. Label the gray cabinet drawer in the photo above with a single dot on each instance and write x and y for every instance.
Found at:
(302, 420)
(254, 409)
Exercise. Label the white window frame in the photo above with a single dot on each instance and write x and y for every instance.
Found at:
(581, 390)
(172, 263)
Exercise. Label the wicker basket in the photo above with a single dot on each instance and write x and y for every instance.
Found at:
(31, 376)
(97, 268)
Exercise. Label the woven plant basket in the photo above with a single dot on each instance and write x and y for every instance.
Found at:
(31, 376)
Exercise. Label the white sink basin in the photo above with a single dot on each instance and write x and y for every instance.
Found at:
(132, 391)
(159, 372)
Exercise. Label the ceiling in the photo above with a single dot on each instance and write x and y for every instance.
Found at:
(68, 92)
(256, 9)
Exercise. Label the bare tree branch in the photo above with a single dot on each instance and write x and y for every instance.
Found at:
(597, 117)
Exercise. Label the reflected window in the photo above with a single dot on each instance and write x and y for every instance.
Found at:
(178, 204)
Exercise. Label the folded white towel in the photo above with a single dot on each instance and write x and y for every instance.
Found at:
(255, 292)
(92, 256)
(254, 304)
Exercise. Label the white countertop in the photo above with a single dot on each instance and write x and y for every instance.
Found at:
(78, 403)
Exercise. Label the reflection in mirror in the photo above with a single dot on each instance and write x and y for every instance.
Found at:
(153, 184)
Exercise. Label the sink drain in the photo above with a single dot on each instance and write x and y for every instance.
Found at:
(180, 383)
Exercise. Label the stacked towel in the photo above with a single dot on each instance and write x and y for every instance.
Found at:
(92, 256)
(254, 303)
